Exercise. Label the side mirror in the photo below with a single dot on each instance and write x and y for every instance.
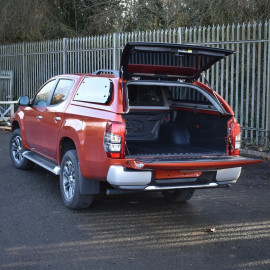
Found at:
(24, 101)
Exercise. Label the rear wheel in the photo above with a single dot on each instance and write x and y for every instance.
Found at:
(70, 177)
(16, 152)
(178, 196)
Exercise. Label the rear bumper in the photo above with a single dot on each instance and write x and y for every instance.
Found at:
(119, 176)
(122, 178)
(228, 175)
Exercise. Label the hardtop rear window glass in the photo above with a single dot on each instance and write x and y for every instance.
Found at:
(145, 95)
(187, 94)
(168, 59)
(96, 90)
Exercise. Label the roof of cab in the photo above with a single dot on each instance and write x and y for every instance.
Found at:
(79, 75)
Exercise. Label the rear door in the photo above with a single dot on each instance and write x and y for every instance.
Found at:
(167, 61)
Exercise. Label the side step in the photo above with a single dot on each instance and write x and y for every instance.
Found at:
(42, 161)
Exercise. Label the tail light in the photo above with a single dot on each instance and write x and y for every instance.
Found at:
(237, 143)
(234, 137)
(114, 139)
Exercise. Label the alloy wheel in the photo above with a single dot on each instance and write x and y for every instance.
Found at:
(17, 149)
(69, 180)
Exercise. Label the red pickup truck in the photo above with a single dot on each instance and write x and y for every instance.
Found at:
(152, 126)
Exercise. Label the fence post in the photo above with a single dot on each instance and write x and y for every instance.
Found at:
(64, 55)
(114, 51)
(24, 63)
(11, 87)
(268, 91)
(179, 35)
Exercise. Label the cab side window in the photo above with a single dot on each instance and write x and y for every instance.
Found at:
(62, 91)
(42, 97)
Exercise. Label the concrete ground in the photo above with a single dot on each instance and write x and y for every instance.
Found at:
(216, 229)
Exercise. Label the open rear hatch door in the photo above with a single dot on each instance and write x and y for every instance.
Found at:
(167, 61)
(190, 163)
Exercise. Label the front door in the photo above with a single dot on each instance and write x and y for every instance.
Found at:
(33, 116)
(44, 119)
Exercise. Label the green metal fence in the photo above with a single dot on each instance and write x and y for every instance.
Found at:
(243, 79)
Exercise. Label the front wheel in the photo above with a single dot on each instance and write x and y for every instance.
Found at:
(16, 152)
(178, 196)
(70, 177)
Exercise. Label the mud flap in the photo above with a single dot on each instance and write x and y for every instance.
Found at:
(89, 187)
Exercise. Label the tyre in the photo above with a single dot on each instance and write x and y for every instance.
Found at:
(70, 177)
(16, 152)
(178, 196)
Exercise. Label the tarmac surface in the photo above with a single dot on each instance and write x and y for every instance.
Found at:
(216, 229)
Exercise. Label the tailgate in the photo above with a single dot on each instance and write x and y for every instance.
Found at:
(168, 61)
(190, 163)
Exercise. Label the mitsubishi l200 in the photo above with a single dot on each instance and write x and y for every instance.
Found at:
(151, 126)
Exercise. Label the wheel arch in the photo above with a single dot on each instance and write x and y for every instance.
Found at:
(66, 144)
(15, 125)
(72, 136)
(87, 186)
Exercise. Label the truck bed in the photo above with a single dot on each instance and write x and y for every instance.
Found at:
(150, 149)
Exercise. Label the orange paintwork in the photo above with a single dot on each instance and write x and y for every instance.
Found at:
(85, 123)
(82, 122)
(169, 174)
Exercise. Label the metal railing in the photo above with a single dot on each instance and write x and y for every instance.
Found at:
(6, 84)
(243, 79)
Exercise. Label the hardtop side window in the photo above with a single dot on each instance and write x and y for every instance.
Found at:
(62, 91)
(145, 95)
(188, 95)
(42, 97)
(95, 90)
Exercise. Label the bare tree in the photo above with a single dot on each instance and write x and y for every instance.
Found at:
(26, 20)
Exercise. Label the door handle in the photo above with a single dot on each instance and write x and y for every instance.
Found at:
(39, 117)
(57, 118)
